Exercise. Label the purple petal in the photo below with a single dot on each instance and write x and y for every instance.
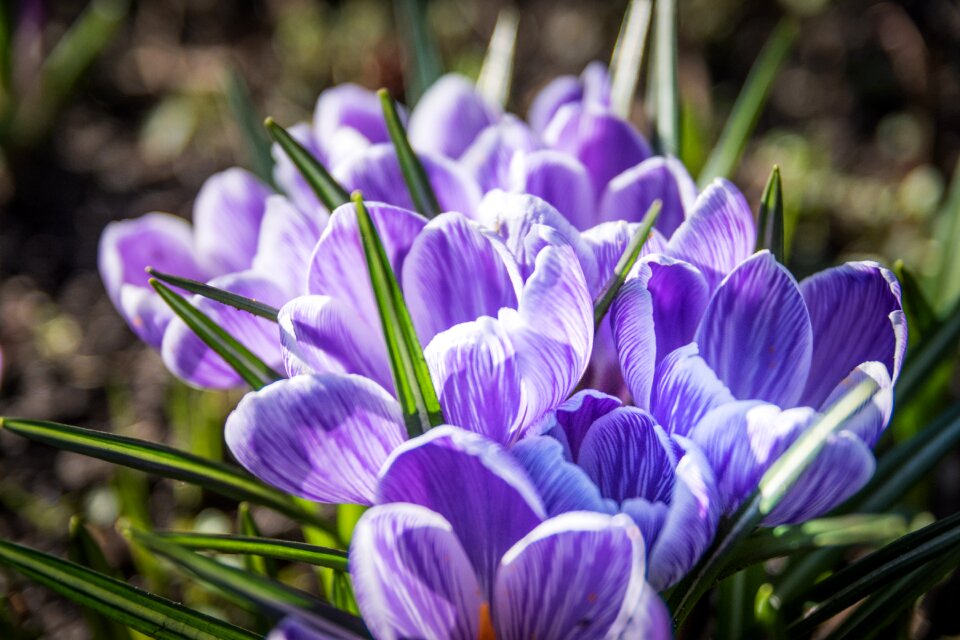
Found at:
(608, 241)
(287, 240)
(596, 84)
(557, 93)
(562, 485)
(376, 173)
(321, 437)
(456, 272)
(559, 179)
(575, 417)
(756, 335)
(158, 240)
(606, 144)
(288, 177)
(226, 220)
(578, 575)
(718, 234)
(489, 158)
(411, 576)
(190, 359)
(319, 334)
(685, 389)
(630, 194)
(649, 619)
(467, 479)
(857, 316)
(449, 116)
(350, 106)
(870, 421)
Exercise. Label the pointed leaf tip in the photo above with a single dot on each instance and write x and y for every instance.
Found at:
(770, 226)
(414, 175)
(328, 190)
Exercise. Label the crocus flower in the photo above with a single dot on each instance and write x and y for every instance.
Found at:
(598, 455)
(745, 369)
(460, 546)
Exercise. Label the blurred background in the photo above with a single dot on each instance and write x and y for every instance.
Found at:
(863, 119)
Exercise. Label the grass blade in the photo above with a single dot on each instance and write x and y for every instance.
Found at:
(160, 460)
(770, 217)
(84, 550)
(627, 259)
(248, 366)
(746, 110)
(245, 115)
(496, 74)
(422, 64)
(418, 184)
(627, 60)
(247, 526)
(666, 125)
(415, 390)
(328, 190)
(259, 547)
(144, 612)
(242, 303)
(948, 281)
(921, 317)
(773, 486)
(920, 364)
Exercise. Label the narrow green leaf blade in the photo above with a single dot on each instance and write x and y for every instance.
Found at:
(248, 366)
(328, 190)
(418, 184)
(948, 280)
(770, 217)
(144, 612)
(928, 355)
(245, 115)
(260, 547)
(422, 65)
(627, 259)
(160, 460)
(415, 390)
(746, 110)
(496, 74)
(627, 60)
(247, 527)
(242, 303)
(666, 130)
(921, 318)
(84, 550)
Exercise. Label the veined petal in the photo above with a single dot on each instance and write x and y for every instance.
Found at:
(190, 359)
(608, 241)
(287, 240)
(630, 194)
(562, 485)
(756, 335)
(319, 334)
(288, 177)
(411, 576)
(857, 316)
(870, 421)
(718, 234)
(449, 116)
(685, 389)
(575, 417)
(578, 575)
(226, 220)
(472, 482)
(350, 106)
(321, 437)
(559, 179)
(456, 272)
(488, 159)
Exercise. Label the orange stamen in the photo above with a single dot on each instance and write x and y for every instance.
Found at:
(486, 624)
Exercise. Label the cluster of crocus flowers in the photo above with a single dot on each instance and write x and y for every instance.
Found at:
(582, 467)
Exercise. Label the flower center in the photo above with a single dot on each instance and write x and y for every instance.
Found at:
(486, 623)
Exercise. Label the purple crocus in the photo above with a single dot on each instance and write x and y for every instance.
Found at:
(744, 369)
(600, 456)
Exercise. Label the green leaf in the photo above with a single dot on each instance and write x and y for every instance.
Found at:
(144, 612)
(248, 366)
(347, 517)
(770, 218)
(259, 547)
(242, 303)
(247, 589)
(921, 317)
(941, 345)
(627, 57)
(257, 143)
(773, 486)
(422, 65)
(746, 110)
(160, 460)
(328, 190)
(418, 184)
(496, 74)
(84, 550)
(627, 259)
(411, 377)
(948, 279)
(666, 129)
(878, 570)
(261, 564)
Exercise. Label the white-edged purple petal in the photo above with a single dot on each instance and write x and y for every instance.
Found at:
(630, 194)
(575, 417)
(718, 233)
(288, 177)
(456, 272)
(608, 241)
(226, 220)
(285, 246)
(557, 93)
(350, 106)
(320, 437)
(756, 334)
(558, 178)
(685, 389)
(857, 316)
(578, 575)
(562, 485)
(411, 576)
(189, 358)
(489, 157)
(449, 116)
(472, 482)
(870, 421)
